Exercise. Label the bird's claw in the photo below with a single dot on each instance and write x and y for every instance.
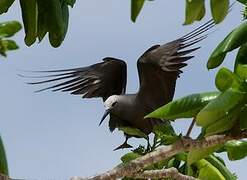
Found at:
(123, 146)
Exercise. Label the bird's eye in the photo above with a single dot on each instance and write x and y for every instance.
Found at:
(113, 104)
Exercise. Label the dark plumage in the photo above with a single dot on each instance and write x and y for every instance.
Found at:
(158, 69)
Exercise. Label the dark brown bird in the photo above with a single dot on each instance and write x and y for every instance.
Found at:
(158, 69)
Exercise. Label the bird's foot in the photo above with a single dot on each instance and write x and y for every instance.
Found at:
(123, 146)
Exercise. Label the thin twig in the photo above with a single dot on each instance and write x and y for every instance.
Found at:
(162, 153)
(190, 128)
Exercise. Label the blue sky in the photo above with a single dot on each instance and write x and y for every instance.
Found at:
(56, 135)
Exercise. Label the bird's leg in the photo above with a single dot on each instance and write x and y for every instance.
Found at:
(190, 128)
(149, 147)
(124, 145)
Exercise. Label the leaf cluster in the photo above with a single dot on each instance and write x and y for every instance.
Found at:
(220, 112)
(194, 11)
(41, 17)
(8, 29)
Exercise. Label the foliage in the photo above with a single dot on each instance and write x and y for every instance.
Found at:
(221, 112)
(3, 159)
(41, 17)
(8, 29)
(186, 107)
(236, 149)
(233, 40)
(5, 5)
(195, 10)
(136, 6)
(133, 132)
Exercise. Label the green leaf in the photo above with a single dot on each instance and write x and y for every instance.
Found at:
(10, 44)
(2, 49)
(243, 119)
(221, 167)
(129, 157)
(224, 79)
(219, 9)
(241, 56)
(220, 159)
(240, 67)
(6, 45)
(198, 154)
(242, 70)
(55, 22)
(5, 5)
(3, 159)
(133, 132)
(165, 128)
(208, 171)
(182, 156)
(232, 41)
(236, 149)
(9, 28)
(136, 6)
(224, 124)
(185, 107)
(216, 57)
(236, 38)
(195, 11)
(219, 107)
(165, 133)
(29, 11)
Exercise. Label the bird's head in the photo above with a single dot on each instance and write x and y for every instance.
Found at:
(111, 105)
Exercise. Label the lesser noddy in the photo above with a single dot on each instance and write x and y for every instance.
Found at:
(158, 69)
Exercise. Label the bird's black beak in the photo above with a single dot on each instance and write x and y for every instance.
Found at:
(107, 111)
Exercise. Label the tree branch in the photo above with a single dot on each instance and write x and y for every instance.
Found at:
(5, 177)
(185, 144)
(164, 173)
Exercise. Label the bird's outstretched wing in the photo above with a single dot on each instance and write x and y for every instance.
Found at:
(99, 80)
(160, 66)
